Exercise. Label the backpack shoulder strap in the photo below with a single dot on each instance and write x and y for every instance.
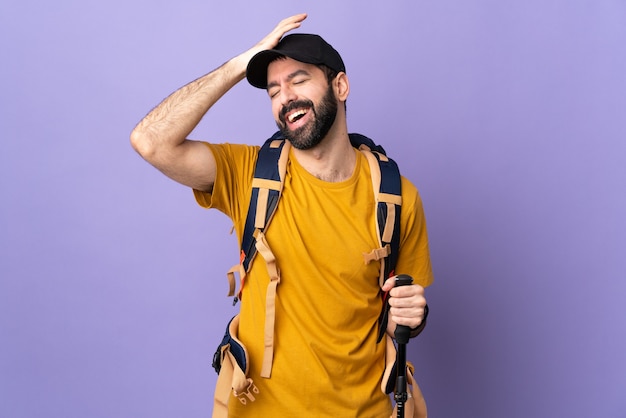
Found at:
(387, 186)
(267, 186)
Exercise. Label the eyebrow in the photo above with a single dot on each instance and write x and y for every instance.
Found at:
(289, 77)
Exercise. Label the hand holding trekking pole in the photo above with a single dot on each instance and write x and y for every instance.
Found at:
(402, 333)
(407, 303)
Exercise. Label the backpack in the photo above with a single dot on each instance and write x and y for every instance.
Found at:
(267, 187)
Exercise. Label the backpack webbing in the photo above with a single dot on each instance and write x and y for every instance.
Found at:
(267, 187)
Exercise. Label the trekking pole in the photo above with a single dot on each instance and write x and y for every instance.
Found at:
(401, 334)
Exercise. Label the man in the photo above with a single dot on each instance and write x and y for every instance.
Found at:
(326, 361)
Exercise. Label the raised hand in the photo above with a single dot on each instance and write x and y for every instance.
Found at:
(285, 25)
(272, 38)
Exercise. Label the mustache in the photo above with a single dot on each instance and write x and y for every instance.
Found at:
(292, 106)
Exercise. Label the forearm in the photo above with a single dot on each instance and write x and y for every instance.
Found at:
(161, 137)
(169, 123)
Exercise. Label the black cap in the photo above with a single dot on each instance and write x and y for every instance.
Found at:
(310, 49)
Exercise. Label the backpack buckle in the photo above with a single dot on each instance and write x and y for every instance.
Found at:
(377, 254)
(247, 395)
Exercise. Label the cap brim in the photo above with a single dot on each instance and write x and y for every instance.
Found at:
(256, 73)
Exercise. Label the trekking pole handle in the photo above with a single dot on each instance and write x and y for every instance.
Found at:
(402, 335)
(402, 332)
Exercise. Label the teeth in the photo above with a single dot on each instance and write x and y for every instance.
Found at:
(296, 115)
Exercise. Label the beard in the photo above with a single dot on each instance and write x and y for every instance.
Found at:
(311, 134)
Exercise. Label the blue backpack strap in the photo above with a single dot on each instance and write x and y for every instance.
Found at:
(267, 168)
(389, 210)
(388, 202)
(387, 185)
(358, 140)
(267, 184)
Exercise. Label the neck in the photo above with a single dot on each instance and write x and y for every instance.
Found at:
(333, 159)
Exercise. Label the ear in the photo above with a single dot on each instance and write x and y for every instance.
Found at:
(341, 85)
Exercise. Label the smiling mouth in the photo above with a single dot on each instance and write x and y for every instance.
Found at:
(297, 115)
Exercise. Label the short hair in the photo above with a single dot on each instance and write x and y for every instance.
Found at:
(329, 72)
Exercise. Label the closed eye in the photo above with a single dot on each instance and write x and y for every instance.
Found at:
(273, 93)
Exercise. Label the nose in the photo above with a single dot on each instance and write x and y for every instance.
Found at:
(287, 95)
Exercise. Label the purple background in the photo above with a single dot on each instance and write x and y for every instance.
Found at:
(510, 117)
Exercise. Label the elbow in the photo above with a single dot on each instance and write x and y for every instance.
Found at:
(142, 143)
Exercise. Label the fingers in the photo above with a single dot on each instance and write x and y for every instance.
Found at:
(284, 26)
(292, 22)
(407, 305)
(409, 299)
(402, 291)
(389, 284)
(412, 318)
(271, 39)
(403, 311)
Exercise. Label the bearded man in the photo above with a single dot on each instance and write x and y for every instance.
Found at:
(326, 359)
